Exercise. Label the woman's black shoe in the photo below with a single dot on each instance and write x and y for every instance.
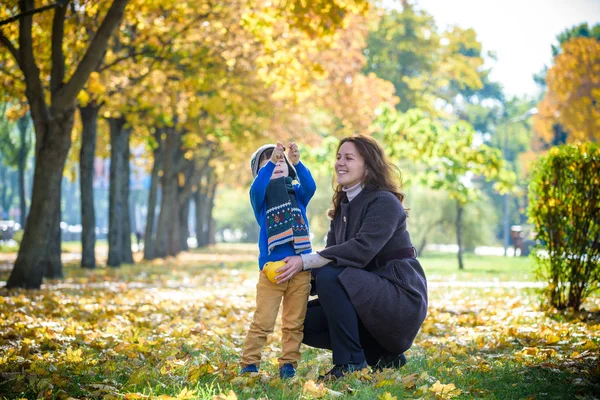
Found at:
(390, 361)
(338, 371)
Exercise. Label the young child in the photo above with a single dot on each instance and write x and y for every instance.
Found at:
(280, 210)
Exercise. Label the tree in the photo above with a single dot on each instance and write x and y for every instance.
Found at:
(552, 132)
(443, 157)
(427, 67)
(15, 146)
(52, 110)
(564, 209)
(572, 97)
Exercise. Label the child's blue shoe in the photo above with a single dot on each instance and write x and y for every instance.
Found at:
(287, 371)
(248, 369)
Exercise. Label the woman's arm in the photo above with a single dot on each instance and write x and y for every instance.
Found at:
(313, 260)
(295, 264)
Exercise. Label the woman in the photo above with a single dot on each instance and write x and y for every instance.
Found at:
(372, 290)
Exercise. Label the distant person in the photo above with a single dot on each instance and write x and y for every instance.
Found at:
(372, 290)
(138, 238)
(280, 210)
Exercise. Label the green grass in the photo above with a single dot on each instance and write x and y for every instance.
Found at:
(134, 326)
(444, 266)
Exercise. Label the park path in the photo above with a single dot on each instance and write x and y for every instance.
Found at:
(7, 260)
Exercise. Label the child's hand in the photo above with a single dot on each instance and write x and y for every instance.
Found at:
(294, 154)
(277, 152)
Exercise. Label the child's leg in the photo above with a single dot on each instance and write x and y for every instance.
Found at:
(268, 299)
(295, 299)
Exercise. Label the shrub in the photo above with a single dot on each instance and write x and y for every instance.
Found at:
(565, 209)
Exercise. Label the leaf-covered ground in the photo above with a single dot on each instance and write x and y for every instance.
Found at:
(174, 329)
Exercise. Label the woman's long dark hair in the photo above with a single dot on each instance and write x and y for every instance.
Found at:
(380, 173)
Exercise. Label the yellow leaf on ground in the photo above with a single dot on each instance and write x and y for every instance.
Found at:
(445, 391)
(135, 396)
(229, 396)
(186, 394)
(409, 381)
(314, 390)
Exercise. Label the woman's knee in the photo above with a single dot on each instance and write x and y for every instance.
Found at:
(327, 277)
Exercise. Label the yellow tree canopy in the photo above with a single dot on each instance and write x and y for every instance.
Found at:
(573, 96)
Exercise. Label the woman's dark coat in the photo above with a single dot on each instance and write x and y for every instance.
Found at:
(389, 297)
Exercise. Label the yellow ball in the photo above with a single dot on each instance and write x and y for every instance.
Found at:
(270, 269)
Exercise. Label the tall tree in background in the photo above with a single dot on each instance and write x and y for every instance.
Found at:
(572, 98)
(550, 130)
(445, 156)
(401, 49)
(52, 110)
(16, 143)
(428, 67)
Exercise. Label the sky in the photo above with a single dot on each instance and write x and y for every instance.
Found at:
(520, 32)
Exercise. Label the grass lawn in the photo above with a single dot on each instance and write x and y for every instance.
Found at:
(444, 267)
(174, 328)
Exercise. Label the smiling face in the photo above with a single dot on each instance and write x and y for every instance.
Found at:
(350, 165)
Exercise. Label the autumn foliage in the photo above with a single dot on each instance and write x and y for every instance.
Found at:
(564, 206)
(573, 95)
(173, 329)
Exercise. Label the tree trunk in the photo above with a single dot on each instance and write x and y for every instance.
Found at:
(200, 198)
(43, 229)
(53, 262)
(4, 191)
(459, 232)
(23, 150)
(167, 236)
(149, 239)
(425, 233)
(89, 120)
(53, 125)
(115, 196)
(210, 239)
(184, 226)
(207, 235)
(126, 255)
(9, 180)
(185, 192)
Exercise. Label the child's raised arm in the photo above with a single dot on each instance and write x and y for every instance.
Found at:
(307, 186)
(294, 154)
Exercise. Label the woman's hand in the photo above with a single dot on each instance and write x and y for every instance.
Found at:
(293, 265)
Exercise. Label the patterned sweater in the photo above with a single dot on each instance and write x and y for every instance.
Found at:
(304, 192)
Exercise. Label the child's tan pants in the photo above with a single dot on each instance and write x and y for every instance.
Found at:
(268, 298)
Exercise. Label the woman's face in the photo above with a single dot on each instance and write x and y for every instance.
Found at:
(350, 166)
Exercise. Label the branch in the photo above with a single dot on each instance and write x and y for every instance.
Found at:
(58, 58)
(127, 57)
(11, 48)
(31, 72)
(31, 12)
(94, 54)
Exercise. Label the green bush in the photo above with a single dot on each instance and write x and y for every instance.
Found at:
(565, 210)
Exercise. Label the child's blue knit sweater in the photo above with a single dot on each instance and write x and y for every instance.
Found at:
(304, 192)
